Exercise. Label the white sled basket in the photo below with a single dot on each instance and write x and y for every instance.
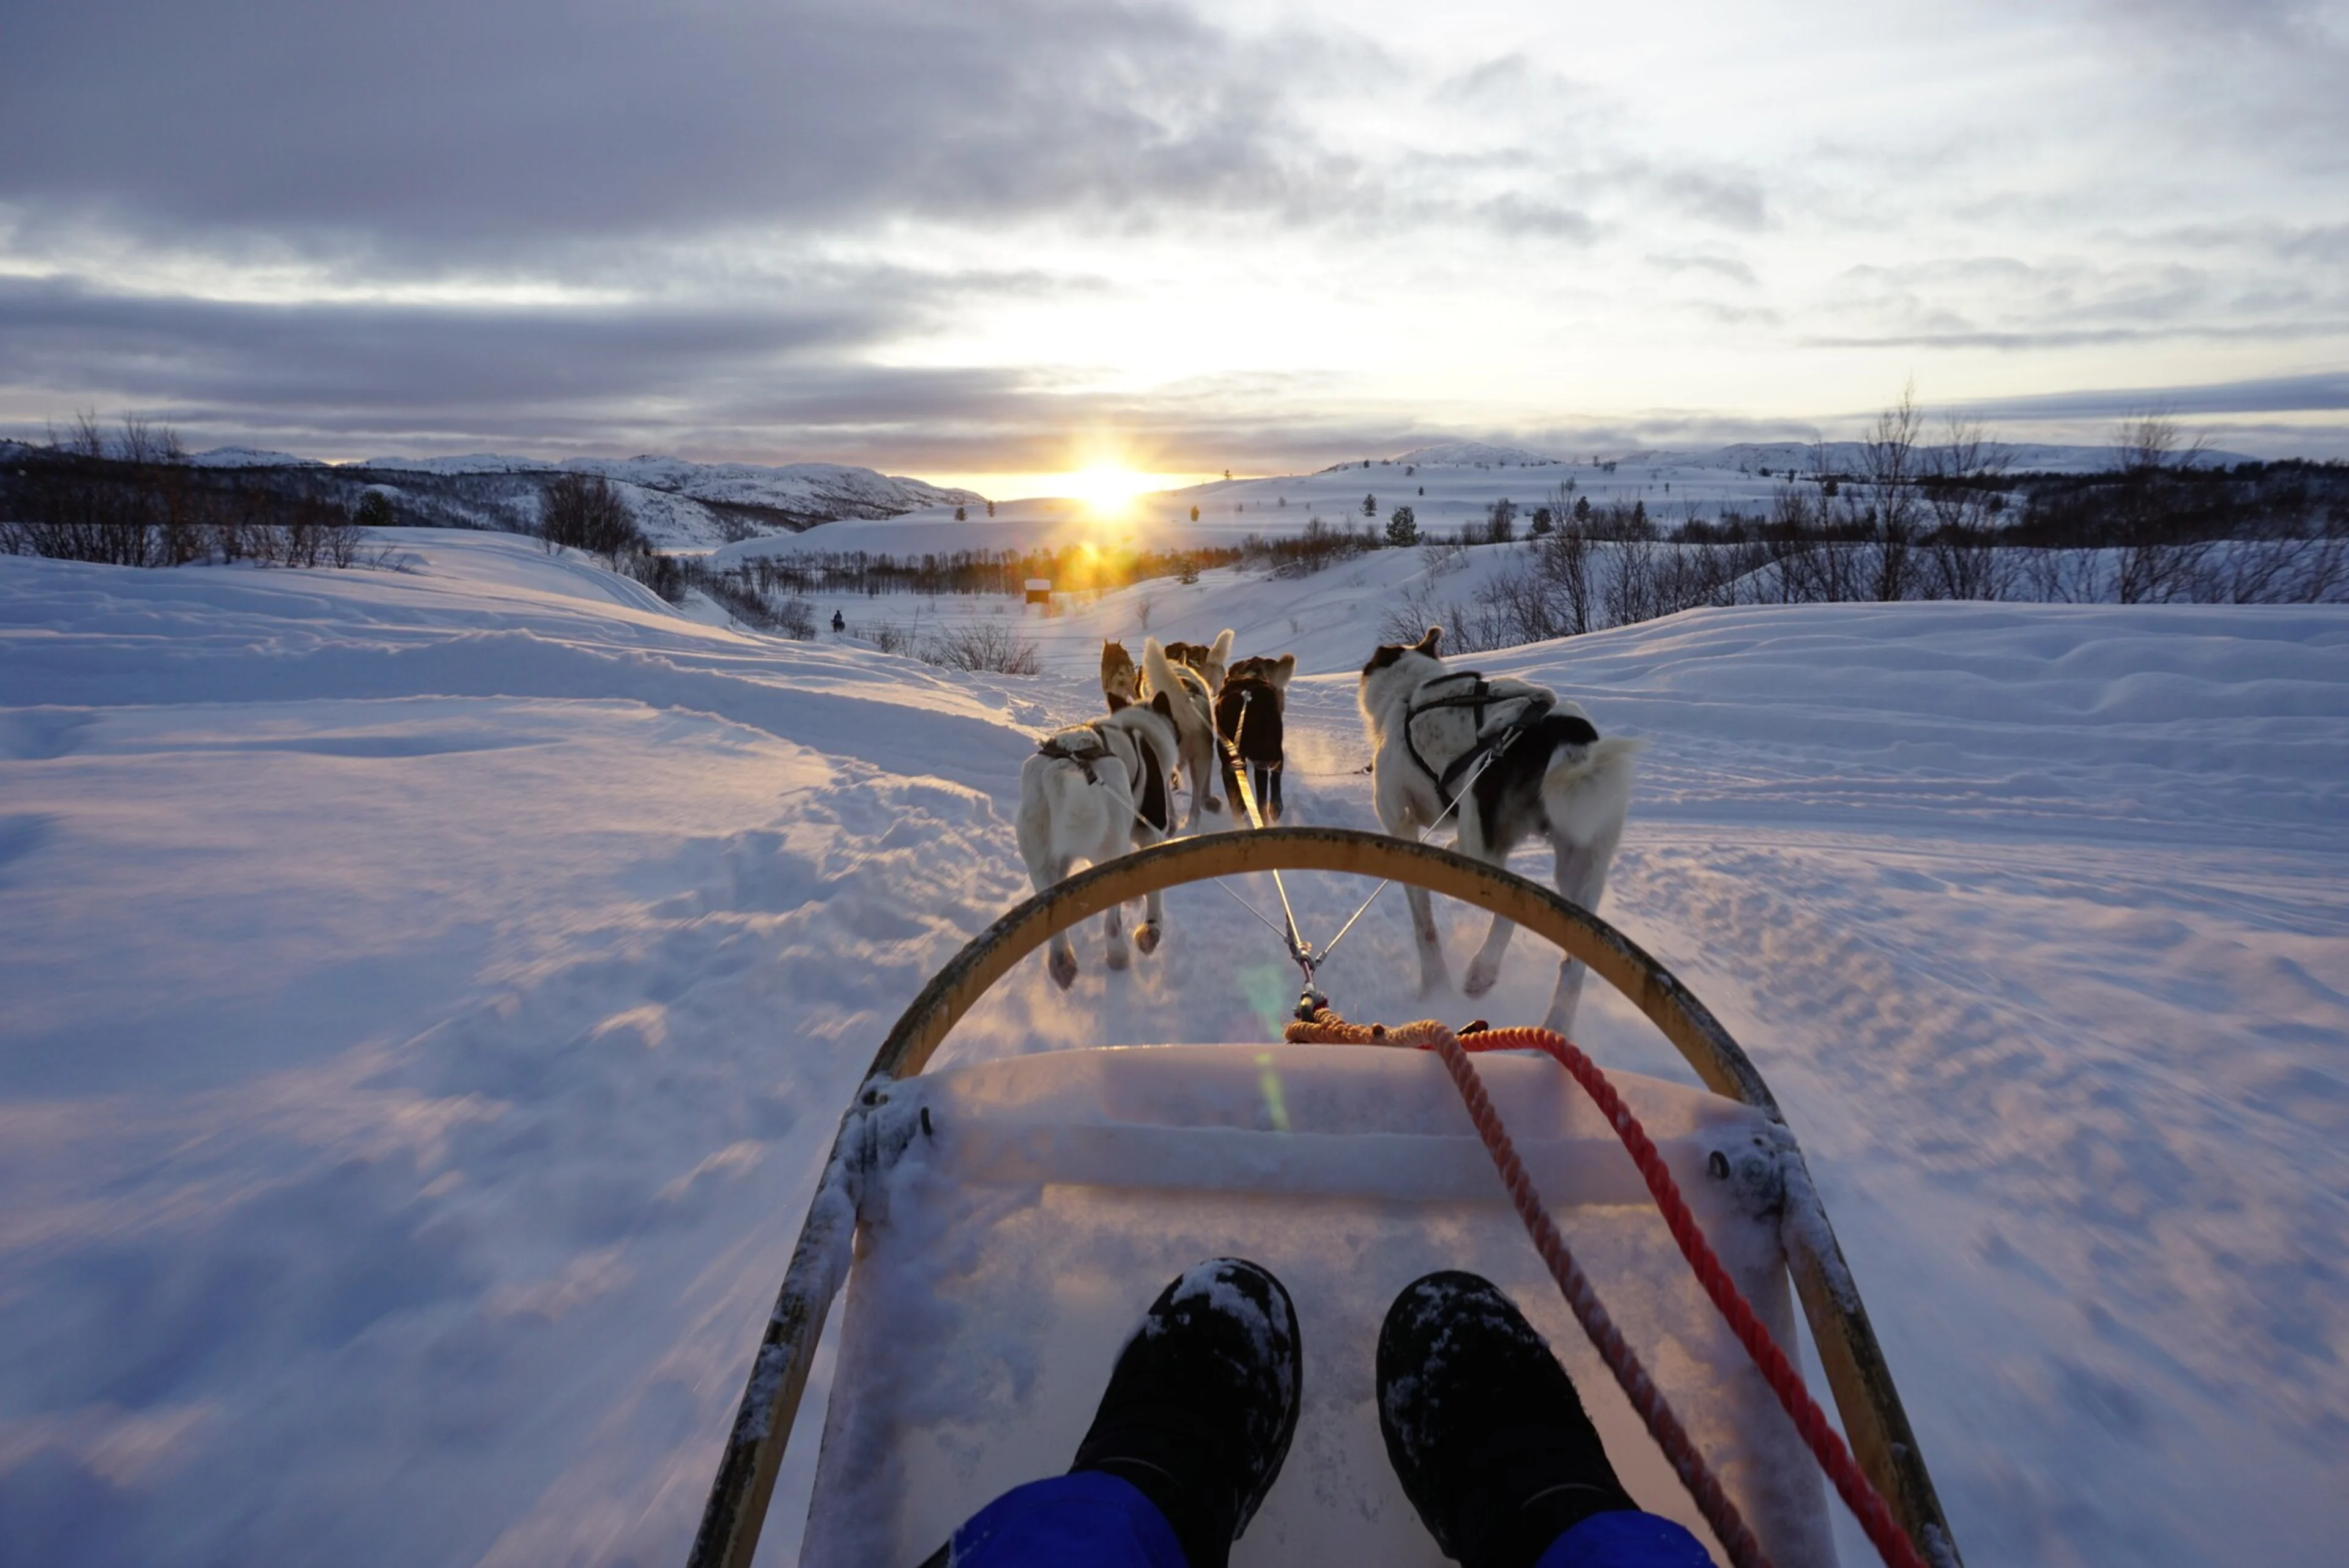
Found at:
(1011, 1219)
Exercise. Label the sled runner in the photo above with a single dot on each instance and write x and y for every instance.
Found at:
(999, 1224)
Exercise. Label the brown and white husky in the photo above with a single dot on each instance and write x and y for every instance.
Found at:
(1192, 686)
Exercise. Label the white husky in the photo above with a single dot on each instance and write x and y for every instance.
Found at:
(1091, 792)
(1194, 712)
(1506, 759)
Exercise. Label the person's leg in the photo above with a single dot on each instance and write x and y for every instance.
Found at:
(1086, 1519)
(1492, 1445)
(1187, 1440)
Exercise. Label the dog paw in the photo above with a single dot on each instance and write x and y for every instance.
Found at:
(1118, 958)
(1063, 969)
(1480, 980)
(1145, 936)
(1213, 804)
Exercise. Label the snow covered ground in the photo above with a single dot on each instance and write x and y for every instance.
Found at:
(426, 998)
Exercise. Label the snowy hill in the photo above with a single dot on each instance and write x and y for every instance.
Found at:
(431, 993)
(797, 489)
(694, 506)
(250, 457)
(464, 463)
(1849, 458)
(1474, 455)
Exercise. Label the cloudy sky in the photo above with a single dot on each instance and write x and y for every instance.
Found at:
(968, 238)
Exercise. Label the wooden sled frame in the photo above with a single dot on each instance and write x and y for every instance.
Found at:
(1873, 1421)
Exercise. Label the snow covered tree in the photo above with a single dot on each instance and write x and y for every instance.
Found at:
(1403, 527)
(1370, 506)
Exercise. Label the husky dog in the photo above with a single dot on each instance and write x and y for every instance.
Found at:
(1508, 759)
(1208, 658)
(1091, 792)
(1194, 704)
(1248, 711)
(1121, 677)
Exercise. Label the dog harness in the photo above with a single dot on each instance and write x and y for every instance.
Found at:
(1478, 697)
(1153, 807)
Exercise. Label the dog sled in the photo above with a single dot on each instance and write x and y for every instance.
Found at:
(995, 1225)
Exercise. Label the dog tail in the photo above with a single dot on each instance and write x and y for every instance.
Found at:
(1159, 671)
(1586, 792)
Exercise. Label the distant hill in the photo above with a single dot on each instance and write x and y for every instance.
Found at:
(1846, 456)
(1476, 455)
(679, 505)
(249, 458)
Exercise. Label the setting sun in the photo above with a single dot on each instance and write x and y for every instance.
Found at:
(1107, 489)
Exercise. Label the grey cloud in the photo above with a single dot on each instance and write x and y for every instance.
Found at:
(383, 368)
(1729, 267)
(711, 381)
(453, 125)
(2323, 392)
(2004, 303)
(1732, 200)
(1504, 73)
(1514, 214)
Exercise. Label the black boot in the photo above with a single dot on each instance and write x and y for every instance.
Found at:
(1483, 1427)
(1202, 1404)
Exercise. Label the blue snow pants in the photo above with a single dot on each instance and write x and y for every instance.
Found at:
(1093, 1520)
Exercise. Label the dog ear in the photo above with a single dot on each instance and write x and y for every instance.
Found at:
(1427, 643)
(1164, 705)
(1282, 669)
(1117, 702)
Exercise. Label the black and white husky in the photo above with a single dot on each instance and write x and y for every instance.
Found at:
(1091, 792)
(1506, 759)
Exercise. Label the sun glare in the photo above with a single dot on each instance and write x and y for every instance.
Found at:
(1107, 489)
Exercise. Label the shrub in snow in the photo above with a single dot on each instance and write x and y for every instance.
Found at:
(995, 650)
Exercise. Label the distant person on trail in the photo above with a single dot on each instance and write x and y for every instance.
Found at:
(1482, 1425)
(839, 623)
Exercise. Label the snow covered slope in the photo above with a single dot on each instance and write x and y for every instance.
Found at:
(250, 457)
(694, 506)
(800, 489)
(426, 998)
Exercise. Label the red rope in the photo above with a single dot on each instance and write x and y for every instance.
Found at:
(1865, 1502)
(1728, 1525)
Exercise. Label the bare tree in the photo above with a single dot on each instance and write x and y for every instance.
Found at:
(1887, 457)
(1960, 478)
(1563, 560)
(584, 512)
(2157, 560)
